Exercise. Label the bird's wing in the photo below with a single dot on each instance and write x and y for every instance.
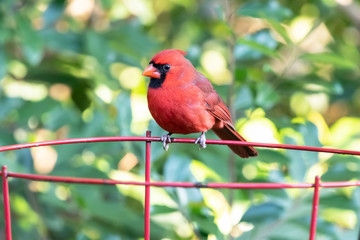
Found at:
(215, 104)
(218, 109)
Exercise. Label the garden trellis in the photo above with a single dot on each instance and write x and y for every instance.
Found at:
(148, 184)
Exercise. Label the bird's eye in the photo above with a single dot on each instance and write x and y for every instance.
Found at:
(166, 67)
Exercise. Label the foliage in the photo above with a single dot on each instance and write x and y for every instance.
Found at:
(289, 71)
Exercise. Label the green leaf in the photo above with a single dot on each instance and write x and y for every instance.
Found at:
(161, 209)
(310, 134)
(80, 95)
(8, 105)
(97, 46)
(31, 42)
(260, 47)
(330, 58)
(3, 62)
(240, 75)
(37, 109)
(53, 12)
(280, 30)
(297, 166)
(59, 117)
(124, 113)
(311, 84)
(325, 228)
(263, 213)
(206, 225)
(106, 4)
(266, 96)
(256, 45)
(269, 156)
(177, 168)
(340, 172)
(264, 9)
(339, 201)
(126, 220)
(244, 98)
(61, 42)
(343, 159)
(290, 230)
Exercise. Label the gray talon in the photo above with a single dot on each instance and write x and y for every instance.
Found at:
(166, 141)
(201, 140)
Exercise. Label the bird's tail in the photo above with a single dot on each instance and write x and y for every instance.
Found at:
(228, 133)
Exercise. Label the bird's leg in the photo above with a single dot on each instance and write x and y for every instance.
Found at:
(201, 140)
(166, 140)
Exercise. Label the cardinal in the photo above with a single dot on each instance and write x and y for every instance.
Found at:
(183, 101)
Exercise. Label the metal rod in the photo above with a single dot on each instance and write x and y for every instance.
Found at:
(147, 187)
(7, 215)
(99, 181)
(315, 208)
(177, 140)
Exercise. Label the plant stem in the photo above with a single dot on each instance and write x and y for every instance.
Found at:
(231, 90)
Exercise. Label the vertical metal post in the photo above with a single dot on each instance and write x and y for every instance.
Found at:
(315, 208)
(7, 215)
(147, 187)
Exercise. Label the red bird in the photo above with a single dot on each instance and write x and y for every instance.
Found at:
(182, 100)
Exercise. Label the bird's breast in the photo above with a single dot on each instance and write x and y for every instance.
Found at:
(180, 109)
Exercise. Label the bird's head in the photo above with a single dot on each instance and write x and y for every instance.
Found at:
(170, 62)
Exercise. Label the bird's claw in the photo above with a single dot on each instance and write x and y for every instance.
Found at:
(166, 141)
(201, 140)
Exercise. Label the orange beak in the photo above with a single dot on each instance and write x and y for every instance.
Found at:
(151, 71)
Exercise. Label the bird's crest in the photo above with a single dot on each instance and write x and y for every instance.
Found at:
(168, 56)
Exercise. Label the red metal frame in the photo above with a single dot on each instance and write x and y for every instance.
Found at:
(176, 140)
(147, 187)
(148, 184)
(7, 216)
(315, 208)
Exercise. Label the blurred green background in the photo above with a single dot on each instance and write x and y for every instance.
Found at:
(288, 70)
